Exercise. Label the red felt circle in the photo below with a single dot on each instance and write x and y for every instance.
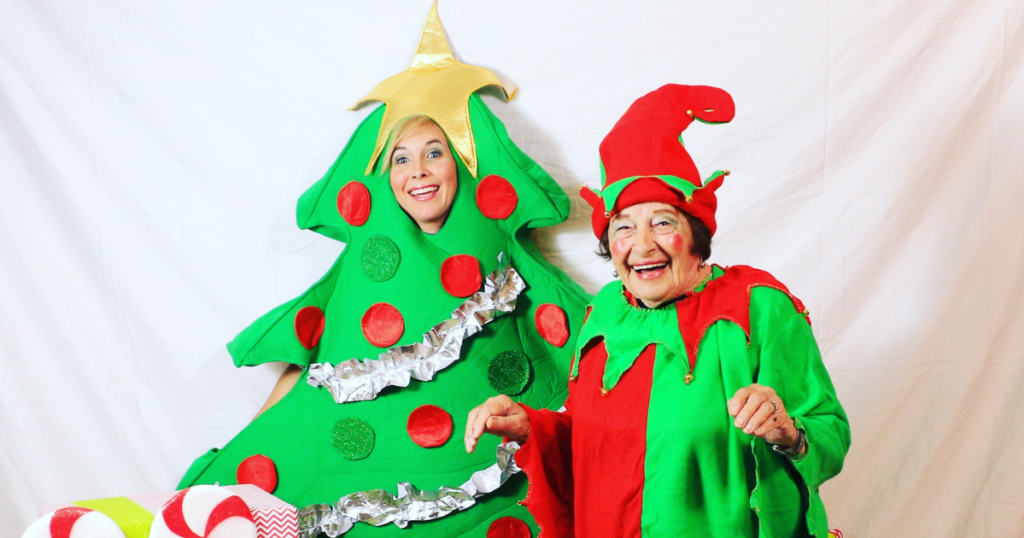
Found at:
(429, 426)
(259, 471)
(309, 326)
(509, 527)
(496, 197)
(460, 275)
(552, 324)
(383, 325)
(354, 203)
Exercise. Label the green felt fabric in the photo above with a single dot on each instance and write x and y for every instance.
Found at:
(703, 476)
(296, 433)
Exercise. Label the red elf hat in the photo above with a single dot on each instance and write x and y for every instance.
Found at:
(643, 158)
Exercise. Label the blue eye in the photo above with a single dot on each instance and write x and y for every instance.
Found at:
(435, 153)
(401, 160)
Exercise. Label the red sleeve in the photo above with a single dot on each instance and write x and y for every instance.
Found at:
(546, 458)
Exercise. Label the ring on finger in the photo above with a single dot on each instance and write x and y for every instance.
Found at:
(775, 405)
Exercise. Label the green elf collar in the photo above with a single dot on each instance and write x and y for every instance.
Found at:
(628, 329)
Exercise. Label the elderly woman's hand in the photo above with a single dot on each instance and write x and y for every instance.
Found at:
(760, 412)
(500, 416)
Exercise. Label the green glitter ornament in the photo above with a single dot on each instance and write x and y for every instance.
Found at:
(509, 372)
(353, 438)
(380, 258)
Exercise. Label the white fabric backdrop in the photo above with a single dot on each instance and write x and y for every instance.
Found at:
(151, 157)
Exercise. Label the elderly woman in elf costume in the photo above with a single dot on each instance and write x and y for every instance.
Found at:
(699, 404)
(438, 301)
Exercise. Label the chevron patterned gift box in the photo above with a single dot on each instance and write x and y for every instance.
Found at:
(274, 518)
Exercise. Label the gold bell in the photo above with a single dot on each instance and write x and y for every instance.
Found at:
(605, 392)
(688, 378)
(726, 172)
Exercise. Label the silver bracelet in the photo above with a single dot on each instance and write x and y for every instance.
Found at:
(793, 451)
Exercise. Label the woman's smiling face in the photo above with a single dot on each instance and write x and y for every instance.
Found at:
(651, 244)
(424, 176)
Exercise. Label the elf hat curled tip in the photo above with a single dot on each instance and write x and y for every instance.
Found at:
(643, 158)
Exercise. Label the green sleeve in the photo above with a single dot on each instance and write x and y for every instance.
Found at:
(272, 338)
(790, 363)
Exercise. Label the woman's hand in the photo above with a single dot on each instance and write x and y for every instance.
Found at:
(759, 411)
(498, 415)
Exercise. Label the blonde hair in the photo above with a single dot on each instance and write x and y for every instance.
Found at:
(409, 126)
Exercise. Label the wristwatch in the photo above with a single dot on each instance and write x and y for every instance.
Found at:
(793, 451)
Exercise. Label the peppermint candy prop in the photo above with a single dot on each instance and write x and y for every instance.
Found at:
(204, 512)
(74, 522)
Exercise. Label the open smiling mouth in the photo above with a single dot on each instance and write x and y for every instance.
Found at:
(648, 267)
(424, 193)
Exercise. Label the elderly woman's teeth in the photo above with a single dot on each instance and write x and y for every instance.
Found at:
(424, 190)
(649, 266)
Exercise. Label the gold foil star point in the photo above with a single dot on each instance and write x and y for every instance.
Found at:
(436, 85)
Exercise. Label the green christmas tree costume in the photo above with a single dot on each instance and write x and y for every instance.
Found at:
(392, 281)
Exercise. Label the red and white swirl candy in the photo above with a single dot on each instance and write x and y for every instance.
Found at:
(204, 512)
(74, 522)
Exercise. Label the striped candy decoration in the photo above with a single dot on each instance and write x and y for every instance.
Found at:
(73, 522)
(204, 512)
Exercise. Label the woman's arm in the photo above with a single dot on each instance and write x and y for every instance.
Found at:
(284, 384)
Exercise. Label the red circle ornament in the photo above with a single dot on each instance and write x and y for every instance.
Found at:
(259, 471)
(429, 426)
(309, 326)
(460, 275)
(509, 527)
(354, 203)
(552, 324)
(383, 325)
(496, 197)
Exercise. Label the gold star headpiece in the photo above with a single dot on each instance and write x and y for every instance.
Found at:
(437, 86)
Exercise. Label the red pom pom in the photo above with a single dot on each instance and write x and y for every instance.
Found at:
(552, 324)
(383, 325)
(259, 471)
(509, 527)
(496, 197)
(64, 519)
(354, 203)
(429, 426)
(460, 275)
(309, 326)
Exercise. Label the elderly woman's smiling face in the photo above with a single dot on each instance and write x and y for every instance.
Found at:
(651, 245)
(424, 176)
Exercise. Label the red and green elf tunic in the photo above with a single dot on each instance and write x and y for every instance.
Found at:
(646, 446)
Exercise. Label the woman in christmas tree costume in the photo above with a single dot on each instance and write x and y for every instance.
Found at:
(438, 300)
(699, 405)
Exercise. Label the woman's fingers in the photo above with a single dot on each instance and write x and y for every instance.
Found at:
(738, 400)
(759, 412)
(477, 423)
(513, 426)
(750, 406)
(761, 419)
